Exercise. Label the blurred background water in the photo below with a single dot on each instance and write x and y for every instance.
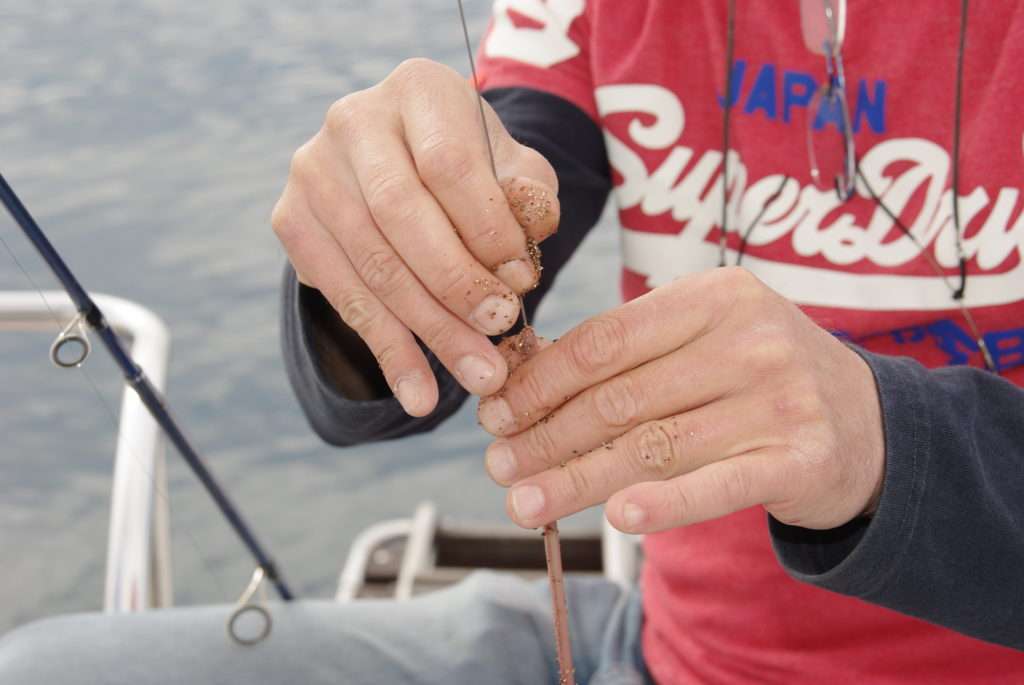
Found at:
(151, 138)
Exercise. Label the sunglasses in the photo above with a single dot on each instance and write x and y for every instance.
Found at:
(829, 133)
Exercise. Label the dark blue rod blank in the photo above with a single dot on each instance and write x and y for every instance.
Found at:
(135, 377)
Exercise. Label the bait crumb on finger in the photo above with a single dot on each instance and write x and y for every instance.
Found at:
(517, 348)
(534, 206)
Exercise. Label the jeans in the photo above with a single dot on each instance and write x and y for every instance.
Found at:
(490, 628)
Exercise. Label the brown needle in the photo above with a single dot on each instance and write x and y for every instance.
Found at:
(552, 547)
(556, 578)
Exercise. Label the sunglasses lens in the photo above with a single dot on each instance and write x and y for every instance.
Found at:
(829, 146)
(819, 22)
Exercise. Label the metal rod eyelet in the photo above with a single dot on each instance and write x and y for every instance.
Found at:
(265, 625)
(71, 347)
(245, 606)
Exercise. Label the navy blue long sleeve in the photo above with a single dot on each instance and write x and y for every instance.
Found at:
(947, 541)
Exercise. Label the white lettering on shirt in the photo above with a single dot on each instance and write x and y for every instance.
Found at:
(800, 214)
(539, 47)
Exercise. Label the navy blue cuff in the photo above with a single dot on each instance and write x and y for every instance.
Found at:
(336, 417)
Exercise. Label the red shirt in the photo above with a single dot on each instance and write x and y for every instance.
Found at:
(718, 607)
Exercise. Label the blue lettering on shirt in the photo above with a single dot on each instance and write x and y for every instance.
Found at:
(738, 71)
(912, 334)
(1006, 347)
(762, 95)
(797, 90)
(765, 97)
(872, 109)
(953, 340)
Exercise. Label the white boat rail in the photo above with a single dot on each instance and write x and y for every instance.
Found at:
(138, 574)
(353, 574)
(620, 555)
(415, 558)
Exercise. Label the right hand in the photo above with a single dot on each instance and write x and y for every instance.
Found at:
(392, 212)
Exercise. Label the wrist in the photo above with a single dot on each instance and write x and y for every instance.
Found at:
(870, 434)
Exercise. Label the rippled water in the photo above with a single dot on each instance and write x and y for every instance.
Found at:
(151, 139)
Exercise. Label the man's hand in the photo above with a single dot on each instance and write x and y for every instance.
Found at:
(392, 211)
(706, 396)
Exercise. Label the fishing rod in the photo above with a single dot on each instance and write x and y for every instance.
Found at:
(90, 314)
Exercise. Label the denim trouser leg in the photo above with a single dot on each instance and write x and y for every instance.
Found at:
(491, 628)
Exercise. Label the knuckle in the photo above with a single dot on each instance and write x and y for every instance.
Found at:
(450, 285)
(531, 390)
(356, 308)
(418, 75)
(740, 281)
(386, 355)
(656, 451)
(541, 445)
(597, 344)
(771, 351)
(301, 164)
(344, 115)
(412, 70)
(800, 403)
(617, 402)
(439, 335)
(282, 220)
(490, 232)
(735, 287)
(444, 159)
(382, 271)
(578, 481)
(387, 196)
(681, 506)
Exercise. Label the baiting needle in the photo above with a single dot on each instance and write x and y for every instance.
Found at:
(552, 547)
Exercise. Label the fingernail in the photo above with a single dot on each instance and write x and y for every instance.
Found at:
(496, 313)
(407, 390)
(496, 416)
(501, 463)
(633, 516)
(474, 371)
(517, 274)
(527, 501)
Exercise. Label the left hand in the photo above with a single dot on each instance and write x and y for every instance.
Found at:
(706, 396)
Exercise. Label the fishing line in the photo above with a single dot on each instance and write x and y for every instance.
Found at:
(745, 236)
(476, 88)
(730, 41)
(483, 124)
(957, 293)
(955, 182)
